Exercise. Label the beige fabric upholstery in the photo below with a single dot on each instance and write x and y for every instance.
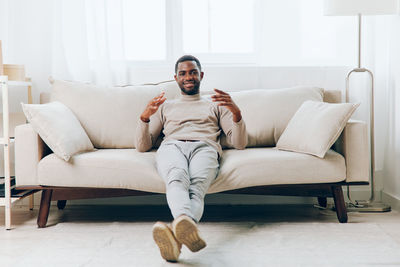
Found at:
(269, 166)
(44, 97)
(29, 149)
(58, 127)
(108, 114)
(170, 87)
(268, 111)
(332, 96)
(104, 168)
(315, 127)
(354, 146)
(127, 168)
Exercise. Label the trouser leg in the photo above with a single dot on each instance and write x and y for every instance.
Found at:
(172, 166)
(203, 168)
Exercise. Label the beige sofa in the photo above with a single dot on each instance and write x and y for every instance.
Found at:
(115, 168)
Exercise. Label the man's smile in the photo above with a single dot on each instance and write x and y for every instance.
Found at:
(189, 84)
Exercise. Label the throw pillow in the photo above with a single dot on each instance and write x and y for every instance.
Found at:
(58, 127)
(267, 112)
(315, 127)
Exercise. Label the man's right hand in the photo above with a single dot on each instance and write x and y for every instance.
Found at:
(152, 107)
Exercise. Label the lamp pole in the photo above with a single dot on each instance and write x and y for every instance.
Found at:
(366, 205)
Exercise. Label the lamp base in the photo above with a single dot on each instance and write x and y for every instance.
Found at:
(368, 207)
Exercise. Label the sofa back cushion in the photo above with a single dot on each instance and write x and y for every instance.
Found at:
(109, 115)
(267, 112)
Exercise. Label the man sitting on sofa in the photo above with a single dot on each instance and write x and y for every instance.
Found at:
(188, 158)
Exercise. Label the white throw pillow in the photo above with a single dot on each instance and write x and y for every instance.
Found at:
(58, 127)
(315, 127)
(267, 112)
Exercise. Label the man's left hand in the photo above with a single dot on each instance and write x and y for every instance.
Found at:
(225, 99)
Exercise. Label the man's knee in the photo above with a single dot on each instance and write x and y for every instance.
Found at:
(198, 189)
(178, 176)
(203, 179)
(195, 194)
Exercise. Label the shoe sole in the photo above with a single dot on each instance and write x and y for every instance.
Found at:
(165, 240)
(186, 232)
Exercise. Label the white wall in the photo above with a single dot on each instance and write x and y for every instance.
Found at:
(30, 36)
(391, 156)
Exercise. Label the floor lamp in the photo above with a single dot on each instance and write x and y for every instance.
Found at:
(359, 8)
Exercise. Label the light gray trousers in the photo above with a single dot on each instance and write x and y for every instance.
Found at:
(188, 169)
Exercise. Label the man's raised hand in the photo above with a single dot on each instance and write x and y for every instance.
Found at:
(152, 107)
(225, 99)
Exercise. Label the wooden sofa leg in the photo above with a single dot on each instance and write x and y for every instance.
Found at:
(44, 208)
(323, 202)
(61, 204)
(340, 205)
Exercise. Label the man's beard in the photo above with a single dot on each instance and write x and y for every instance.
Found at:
(193, 91)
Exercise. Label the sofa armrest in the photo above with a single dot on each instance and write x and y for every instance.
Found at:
(354, 146)
(29, 150)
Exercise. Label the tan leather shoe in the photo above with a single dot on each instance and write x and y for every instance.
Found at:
(170, 248)
(186, 232)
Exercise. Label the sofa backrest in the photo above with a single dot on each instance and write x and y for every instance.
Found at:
(267, 112)
(332, 96)
(110, 115)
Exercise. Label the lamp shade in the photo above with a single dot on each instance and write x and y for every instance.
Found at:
(363, 7)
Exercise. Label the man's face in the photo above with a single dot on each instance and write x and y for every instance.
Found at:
(188, 77)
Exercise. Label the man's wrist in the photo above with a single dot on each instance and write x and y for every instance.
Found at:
(144, 119)
(237, 116)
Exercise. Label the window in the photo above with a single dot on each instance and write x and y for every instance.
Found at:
(141, 31)
(262, 32)
(132, 30)
(218, 26)
(144, 29)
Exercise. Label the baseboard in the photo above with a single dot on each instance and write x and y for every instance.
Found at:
(392, 200)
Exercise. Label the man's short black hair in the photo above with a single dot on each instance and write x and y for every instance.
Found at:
(187, 58)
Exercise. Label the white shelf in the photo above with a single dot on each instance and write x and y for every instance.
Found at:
(19, 83)
(3, 141)
(15, 199)
(3, 200)
(10, 195)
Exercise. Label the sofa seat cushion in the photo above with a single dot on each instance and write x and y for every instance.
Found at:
(103, 168)
(270, 166)
(127, 168)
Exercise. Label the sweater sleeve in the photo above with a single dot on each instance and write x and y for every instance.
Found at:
(235, 132)
(148, 132)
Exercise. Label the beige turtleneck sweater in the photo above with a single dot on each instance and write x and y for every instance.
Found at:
(191, 117)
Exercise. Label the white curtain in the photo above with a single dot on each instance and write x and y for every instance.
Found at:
(82, 40)
(91, 41)
(392, 139)
(381, 54)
